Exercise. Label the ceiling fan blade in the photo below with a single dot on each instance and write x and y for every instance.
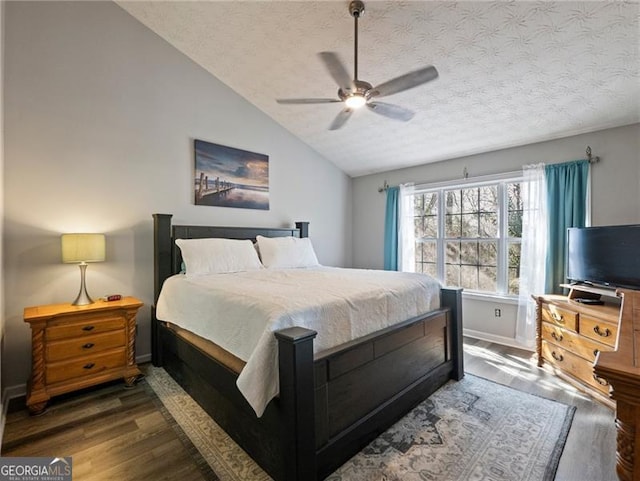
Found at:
(341, 118)
(392, 111)
(307, 101)
(405, 82)
(337, 69)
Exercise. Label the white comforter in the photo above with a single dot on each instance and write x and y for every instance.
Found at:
(240, 312)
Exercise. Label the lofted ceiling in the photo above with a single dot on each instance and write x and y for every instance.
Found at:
(511, 73)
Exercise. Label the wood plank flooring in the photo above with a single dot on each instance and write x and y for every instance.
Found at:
(118, 434)
(112, 433)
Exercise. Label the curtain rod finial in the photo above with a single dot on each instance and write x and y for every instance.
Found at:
(590, 158)
(384, 187)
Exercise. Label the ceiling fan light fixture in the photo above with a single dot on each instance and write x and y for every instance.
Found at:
(357, 93)
(355, 101)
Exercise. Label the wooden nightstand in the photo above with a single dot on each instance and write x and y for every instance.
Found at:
(74, 347)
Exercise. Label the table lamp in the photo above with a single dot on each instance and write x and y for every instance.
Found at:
(83, 248)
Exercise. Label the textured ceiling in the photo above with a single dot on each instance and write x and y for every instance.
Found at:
(511, 73)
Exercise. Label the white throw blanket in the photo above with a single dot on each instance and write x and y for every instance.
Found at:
(240, 312)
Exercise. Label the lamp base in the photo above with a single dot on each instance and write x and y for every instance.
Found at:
(83, 298)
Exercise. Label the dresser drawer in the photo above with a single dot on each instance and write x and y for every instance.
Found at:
(84, 346)
(598, 330)
(85, 366)
(573, 365)
(84, 327)
(572, 342)
(560, 317)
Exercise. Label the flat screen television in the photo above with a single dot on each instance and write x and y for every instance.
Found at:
(607, 256)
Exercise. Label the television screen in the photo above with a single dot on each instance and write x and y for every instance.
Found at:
(608, 256)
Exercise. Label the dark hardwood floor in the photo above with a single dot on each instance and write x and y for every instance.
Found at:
(112, 433)
(118, 434)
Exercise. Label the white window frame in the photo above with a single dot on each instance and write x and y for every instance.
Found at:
(502, 276)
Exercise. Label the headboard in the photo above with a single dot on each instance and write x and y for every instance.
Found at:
(167, 259)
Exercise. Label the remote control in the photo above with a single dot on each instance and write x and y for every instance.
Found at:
(596, 302)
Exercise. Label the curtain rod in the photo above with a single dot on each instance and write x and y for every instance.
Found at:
(472, 180)
(465, 174)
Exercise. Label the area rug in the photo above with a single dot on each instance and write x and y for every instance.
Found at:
(470, 430)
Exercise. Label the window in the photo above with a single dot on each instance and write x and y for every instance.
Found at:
(469, 234)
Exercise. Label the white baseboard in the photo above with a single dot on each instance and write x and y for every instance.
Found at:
(143, 358)
(8, 394)
(505, 341)
(12, 392)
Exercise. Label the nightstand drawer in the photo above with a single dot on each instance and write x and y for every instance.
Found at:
(599, 330)
(84, 346)
(561, 317)
(572, 341)
(86, 366)
(85, 327)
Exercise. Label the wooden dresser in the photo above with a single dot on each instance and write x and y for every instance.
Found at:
(570, 335)
(621, 368)
(74, 347)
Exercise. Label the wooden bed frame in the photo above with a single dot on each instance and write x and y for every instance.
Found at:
(330, 406)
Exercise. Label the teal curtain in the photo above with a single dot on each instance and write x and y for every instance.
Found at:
(391, 226)
(567, 185)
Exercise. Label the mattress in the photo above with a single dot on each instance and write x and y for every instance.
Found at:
(240, 312)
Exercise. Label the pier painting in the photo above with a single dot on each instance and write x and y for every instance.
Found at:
(228, 177)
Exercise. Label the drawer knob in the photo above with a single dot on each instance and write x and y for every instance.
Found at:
(601, 381)
(557, 357)
(599, 332)
(88, 345)
(557, 337)
(88, 328)
(596, 351)
(557, 317)
(88, 366)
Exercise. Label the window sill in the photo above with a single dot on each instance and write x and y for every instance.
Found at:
(483, 296)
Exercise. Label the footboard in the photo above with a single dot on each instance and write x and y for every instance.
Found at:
(365, 386)
(361, 388)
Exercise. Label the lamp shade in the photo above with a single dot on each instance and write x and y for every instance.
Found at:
(83, 248)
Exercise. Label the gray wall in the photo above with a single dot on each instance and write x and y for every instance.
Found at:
(615, 199)
(615, 182)
(100, 116)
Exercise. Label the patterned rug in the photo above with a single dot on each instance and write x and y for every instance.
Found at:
(470, 430)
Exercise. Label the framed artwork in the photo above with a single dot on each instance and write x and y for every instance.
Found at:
(228, 177)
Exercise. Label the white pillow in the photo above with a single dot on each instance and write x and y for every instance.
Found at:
(286, 252)
(218, 256)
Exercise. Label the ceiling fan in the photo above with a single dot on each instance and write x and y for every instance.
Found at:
(356, 93)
